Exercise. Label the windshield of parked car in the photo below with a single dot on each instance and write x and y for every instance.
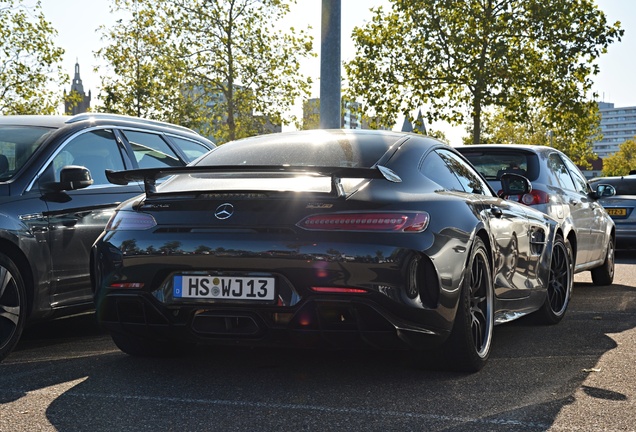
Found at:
(17, 145)
(493, 164)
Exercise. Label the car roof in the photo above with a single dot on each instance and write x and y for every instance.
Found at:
(616, 179)
(59, 121)
(34, 120)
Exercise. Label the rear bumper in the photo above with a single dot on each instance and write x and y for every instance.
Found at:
(319, 322)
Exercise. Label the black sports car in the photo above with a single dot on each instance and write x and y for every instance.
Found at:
(326, 238)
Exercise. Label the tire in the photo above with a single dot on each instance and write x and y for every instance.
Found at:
(144, 347)
(468, 347)
(604, 275)
(13, 306)
(561, 280)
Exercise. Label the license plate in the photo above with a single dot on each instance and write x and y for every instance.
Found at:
(224, 287)
(616, 211)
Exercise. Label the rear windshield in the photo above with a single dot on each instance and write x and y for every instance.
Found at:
(301, 149)
(492, 164)
(17, 145)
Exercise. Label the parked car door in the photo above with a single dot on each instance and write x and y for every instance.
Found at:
(598, 224)
(77, 217)
(577, 206)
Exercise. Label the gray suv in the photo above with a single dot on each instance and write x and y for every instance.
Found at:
(560, 190)
(55, 201)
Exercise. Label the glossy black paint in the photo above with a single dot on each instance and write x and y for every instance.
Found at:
(47, 227)
(410, 281)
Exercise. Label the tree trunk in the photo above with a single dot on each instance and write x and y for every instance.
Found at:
(476, 119)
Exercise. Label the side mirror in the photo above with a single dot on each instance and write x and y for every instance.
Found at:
(74, 177)
(604, 190)
(514, 184)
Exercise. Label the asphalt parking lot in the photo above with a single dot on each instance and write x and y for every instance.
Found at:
(67, 375)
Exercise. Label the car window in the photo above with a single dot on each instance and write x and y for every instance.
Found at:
(471, 181)
(437, 170)
(560, 172)
(17, 144)
(493, 163)
(96, 150)
(151, 150)
(579, 180)
(191, 149)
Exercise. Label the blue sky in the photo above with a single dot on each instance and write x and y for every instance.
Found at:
(77, 21)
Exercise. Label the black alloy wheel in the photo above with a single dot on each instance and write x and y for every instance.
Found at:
(12, 306)
(604, 275)
(468, 346)
(559, 289)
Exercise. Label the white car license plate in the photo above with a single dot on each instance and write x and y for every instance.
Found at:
(224, 287)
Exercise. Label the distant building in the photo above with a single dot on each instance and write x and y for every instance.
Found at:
(351, 115)
(418, 126)
(72, 106)
(407, 126)
(617, 125)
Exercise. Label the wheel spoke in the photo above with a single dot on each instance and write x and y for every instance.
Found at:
(10, 313)
(9, 302)
(478, 305)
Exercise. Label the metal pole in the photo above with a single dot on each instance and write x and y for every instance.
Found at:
(330, 65)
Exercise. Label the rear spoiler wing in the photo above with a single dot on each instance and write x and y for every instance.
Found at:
(150, 175)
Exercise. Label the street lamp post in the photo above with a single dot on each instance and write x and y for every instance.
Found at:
(330, 65)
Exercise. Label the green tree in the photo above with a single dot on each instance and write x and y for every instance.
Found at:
(147, 72)
(226, 61)
(621, 162)
(459, 57)
(30, 69)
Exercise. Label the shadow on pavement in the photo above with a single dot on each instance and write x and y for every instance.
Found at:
(533, 373)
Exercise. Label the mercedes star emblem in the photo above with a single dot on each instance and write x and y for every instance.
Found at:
(224, 211)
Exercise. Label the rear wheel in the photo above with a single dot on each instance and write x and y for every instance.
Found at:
(468, 347)
(559, 287)
(144, 347)
(604, 275)
(13, 306)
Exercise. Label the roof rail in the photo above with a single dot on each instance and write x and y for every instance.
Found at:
(109, 116)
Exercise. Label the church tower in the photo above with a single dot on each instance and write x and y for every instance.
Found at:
(76, 101)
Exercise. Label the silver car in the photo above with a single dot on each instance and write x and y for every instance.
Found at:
(560, 190)
(618, 196)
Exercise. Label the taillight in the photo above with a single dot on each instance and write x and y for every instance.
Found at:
(531, 198)
(401, 222)
(535, 197)
(128, 220)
